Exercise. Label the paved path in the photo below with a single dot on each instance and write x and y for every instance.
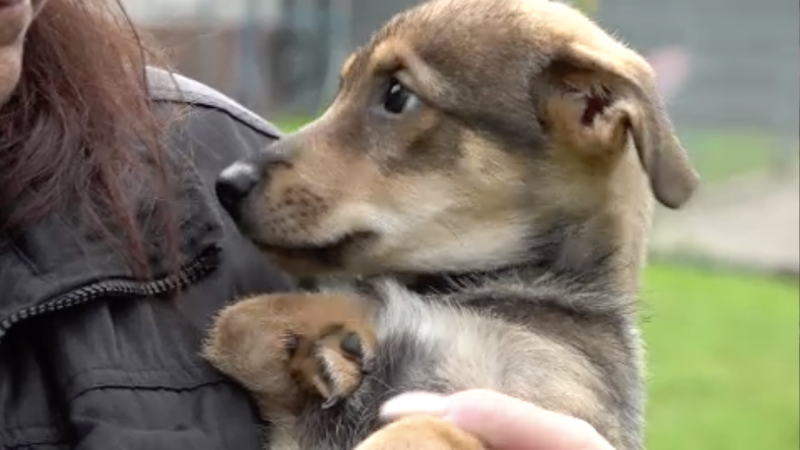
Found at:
(754, 224)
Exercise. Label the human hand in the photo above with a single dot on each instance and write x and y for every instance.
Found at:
(500, 421)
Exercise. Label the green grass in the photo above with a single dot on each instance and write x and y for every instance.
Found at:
(718, 156)
(723, 349)
(289, 124)
(722, 361)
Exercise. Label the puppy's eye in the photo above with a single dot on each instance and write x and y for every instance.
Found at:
(399, 99)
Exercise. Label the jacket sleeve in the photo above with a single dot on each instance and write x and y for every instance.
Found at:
(125, 373)
(138, 381)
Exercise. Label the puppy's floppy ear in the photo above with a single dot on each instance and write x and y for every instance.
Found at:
(597, 98)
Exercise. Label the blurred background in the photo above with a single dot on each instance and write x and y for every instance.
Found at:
(721, 297)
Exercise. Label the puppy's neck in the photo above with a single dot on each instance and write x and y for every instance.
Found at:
(588, 255)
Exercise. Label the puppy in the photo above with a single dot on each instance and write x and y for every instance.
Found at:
(475, 206)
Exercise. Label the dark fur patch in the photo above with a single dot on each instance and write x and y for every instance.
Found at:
(353, 420)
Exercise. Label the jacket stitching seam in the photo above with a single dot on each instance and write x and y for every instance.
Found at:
(210, 103)
(184, 369)
(117, 386)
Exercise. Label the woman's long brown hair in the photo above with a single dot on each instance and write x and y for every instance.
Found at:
(69, 130)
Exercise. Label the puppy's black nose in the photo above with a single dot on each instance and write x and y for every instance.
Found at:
(234, 184)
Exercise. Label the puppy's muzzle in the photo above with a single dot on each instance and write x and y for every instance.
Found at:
(241, 179)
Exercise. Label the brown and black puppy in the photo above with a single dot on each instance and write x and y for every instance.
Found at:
(483, 181)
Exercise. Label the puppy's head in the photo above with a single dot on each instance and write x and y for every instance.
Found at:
(461, 135)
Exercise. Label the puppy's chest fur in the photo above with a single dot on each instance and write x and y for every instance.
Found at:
(529, 339)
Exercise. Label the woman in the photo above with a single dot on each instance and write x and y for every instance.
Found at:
(113, 251)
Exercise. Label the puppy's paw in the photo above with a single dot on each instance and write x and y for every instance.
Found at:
(333, 360)
(246, 343)
(284, 347)
(421, 433)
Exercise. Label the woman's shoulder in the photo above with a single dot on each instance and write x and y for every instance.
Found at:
(46, 267)
(209, 127)
(166, 86)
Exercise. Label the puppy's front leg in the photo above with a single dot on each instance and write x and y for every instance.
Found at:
(286, 346)
(421, 433)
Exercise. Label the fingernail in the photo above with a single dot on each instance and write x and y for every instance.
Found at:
(414, 403)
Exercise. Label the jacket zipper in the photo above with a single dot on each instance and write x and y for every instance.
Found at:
(189, 274)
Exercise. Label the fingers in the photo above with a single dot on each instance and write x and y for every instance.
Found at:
(502, 422)
(507, 423)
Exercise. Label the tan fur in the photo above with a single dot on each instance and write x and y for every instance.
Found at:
(528, 126)
(306, 318)
(346, 66)
(344, 175)
(421, 433)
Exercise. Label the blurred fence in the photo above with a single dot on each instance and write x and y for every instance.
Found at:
(730, 68)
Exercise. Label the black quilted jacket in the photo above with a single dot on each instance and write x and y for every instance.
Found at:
(91, 360)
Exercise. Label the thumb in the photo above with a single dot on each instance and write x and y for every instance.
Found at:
(502, 422)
